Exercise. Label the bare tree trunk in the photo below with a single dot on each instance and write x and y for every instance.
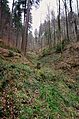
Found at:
(1, 23)
(59, 25)
(54, 34)
(77, 8)
(22, 43)
(9, 34)
(24, 30)
(17, 34)
(0, 17)
(76, 30)
(67, 30)
(70, 5)
(10, 25)
(41, 43)
(13, 6)
(27, 26)
(49, 34)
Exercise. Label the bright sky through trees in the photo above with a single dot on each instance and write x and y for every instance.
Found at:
(39, 15)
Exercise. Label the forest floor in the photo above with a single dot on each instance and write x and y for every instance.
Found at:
(51, 92)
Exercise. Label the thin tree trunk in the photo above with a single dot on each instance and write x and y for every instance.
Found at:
(13, 6)
(67, 30)
(49, 34)
(70, 5)
(11, 26)
(24, 30)
(9, 35)
(27, 26)
(0, 17)
(59, 26)
(1, 23)
(17, 34)
(54, 35)
(49, 37)
(76, 30)
(77, 8)
(22, 43)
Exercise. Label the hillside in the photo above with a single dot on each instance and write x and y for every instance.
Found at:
(49, 92)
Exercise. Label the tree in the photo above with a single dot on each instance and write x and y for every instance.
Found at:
(49, 28)
(36, 35)
(17, 23)
(0, 16)
(40, 34)
(4, 16)
(77, 8)
(67, 30)
(27, 11)
(70, 5)
(54, 27)
(59, 24)
(13, 5)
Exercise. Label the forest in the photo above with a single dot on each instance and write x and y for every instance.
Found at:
(39, 69)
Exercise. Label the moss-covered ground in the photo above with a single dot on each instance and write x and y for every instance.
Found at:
(30, 93)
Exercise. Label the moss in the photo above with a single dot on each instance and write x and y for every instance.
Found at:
(37, 93)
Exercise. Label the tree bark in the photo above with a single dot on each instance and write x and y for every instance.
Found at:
(54, 34)
(1, 23)
(70, 5)
(77, 8)
(76, 30)
(67, 30)
(0, 17)
(27, 26)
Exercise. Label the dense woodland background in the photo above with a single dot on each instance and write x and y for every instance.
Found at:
(39, 74)
(15, 25)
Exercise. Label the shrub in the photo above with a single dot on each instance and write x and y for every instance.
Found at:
(60, 47)
(77, 77)
(10, 54)
(45, 52)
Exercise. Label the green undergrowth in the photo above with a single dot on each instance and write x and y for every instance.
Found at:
(32, 93)
(32, 57)
(2, 45)
(48, 60)
(59, 48)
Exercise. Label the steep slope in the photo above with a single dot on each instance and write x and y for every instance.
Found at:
(26, 92)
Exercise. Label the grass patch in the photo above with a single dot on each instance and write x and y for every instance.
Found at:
(37, 93)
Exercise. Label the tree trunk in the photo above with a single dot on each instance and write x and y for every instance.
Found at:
(59, 25)
(0, 17)
(17, 34)
(67, 30)
(49, 29)
(22, 43)
(49, 36)
(27, 26)
(9, 34)
(13, 6)
(70, 5)
(1, 23)
(77, 8)
(54, 34)
(76, 30)
(24, 30)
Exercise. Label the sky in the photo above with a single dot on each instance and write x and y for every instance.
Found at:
(39, 15)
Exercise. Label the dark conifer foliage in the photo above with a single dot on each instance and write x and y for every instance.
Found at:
(15, 25)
